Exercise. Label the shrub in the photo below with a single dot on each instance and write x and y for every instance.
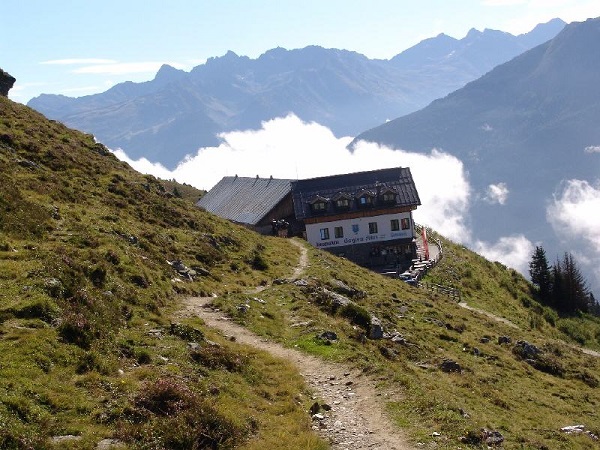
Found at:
(168, 415)
(218, 358)
(76, 329)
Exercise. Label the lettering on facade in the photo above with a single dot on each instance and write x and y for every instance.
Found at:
(327, 244)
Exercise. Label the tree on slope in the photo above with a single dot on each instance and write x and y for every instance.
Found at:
(541, 277)
(569, 289)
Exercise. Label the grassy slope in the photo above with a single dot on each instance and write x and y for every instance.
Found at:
(496, 389)
(104, 232)
(85, 346)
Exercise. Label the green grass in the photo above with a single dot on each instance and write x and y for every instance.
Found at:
(496, 389)
(86, 293)
(87, 297)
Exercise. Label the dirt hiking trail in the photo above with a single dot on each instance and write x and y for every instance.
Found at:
(356, 419)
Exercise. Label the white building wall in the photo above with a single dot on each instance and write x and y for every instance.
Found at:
(356, 231)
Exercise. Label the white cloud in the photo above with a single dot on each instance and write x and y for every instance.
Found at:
(497, 193)
(79, 61)
(574, 215)
(592, 149)
(289, 148)
(514, 251)
(575, 211)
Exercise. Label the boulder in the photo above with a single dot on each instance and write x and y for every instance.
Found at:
(449, 365)
(375, 328)
(6, 83)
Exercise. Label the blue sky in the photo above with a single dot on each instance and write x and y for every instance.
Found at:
(79, 47)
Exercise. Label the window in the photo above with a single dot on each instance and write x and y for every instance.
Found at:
(324, 234)
(405, 224)
(342, 203)
(395, 224)
(365, 200)
(338, 232)
(389, 197)
(372, 227)
(319, 206)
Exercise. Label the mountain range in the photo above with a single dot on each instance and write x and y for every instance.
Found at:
(531, 124)
(178, 112)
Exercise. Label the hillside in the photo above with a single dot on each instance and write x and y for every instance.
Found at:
(178, 112)
(531, 124)
(94, 348)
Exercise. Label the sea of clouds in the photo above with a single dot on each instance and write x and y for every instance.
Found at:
(290, 148)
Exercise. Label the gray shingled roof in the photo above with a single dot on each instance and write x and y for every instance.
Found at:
(244, 200)
(399, 179)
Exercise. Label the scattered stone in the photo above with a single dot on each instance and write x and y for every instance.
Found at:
(492, 438)
(65, 438)
(318, 417)
(504, 340)
(576, 429)
(27, 164)
(403, 309)
(155, 333)
(243, 308)
(54, 287)
(342, 288)
(278, 281)
(476, 351)
(107, 444)
(526, 350)
(314, 409)
(449, 365)
(183, 270)
(301, 283)
(436, 434)
(329, 336)
(375, 328)
(259, 300)
(301, 324)
(484, 340)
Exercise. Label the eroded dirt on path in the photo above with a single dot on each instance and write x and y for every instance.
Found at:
(357, 419)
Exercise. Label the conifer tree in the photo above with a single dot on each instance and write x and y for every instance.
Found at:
(541, 277)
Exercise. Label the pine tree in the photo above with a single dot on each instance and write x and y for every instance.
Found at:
(539, 270)
(569, 288)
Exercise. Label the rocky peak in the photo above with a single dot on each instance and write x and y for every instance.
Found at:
(6, 83)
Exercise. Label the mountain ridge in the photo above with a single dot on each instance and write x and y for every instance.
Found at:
(527, 124)
(177, 112)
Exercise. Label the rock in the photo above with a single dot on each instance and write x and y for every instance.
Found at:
(526, 350)
(328, 336)
(492, 438)
(337, 300)
(6, 83)
(314, 409)
(301, 283)
(107, 444)
(504, 340)
(318, 417)
(449, 365)
(278, 281)
(243, 308)
(375, 328)
(66, 437)
(342, 288)
(573, 429)
(53, 287)
(484, 340)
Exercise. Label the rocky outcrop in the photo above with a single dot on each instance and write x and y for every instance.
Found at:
(6, 83)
